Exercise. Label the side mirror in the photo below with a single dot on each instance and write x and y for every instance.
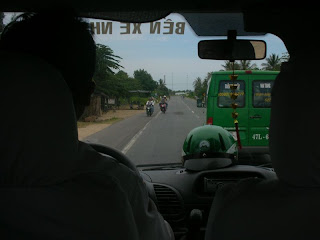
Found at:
(232, 49)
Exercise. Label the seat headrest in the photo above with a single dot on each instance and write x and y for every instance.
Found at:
(294, 126)
(39, 138)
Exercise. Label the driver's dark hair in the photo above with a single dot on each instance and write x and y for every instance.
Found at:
(58, 37)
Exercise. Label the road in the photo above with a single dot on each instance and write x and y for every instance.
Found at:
(155, 139)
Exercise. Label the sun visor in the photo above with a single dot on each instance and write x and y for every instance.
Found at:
(218, 24)
(129, 17)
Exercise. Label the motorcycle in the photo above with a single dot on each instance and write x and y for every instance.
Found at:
(163, 107)
(149, 110)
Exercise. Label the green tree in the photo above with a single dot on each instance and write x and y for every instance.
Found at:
(285, 57)
(246, 65)
(273, 63)
(162, 89)
(161, 82)
(204, 84)
(229, 66)
(127, 82)
(106, 62)
(146, 80)
(115, 87)
(200, 86)
(197, 85)
(122, 74)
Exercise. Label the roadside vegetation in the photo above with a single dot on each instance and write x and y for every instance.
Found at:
(119, 84)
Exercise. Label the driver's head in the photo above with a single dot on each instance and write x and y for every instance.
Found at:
(61, 39)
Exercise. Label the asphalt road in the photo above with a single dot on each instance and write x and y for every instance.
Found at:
(155, 139)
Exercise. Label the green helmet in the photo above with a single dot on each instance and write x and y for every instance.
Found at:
(209, 147)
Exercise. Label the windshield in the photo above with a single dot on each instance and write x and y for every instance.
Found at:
(158, 62)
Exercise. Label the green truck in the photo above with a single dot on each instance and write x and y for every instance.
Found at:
(254, 101)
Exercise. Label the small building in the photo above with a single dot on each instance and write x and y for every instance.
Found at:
(97, 105)
(141, 94)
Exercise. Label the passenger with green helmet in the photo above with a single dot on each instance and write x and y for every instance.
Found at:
(209, 147)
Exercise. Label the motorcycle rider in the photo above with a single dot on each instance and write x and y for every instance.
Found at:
(164, 100)
(151, 103)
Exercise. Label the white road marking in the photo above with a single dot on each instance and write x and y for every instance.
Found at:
(135, 137)
(190, 109)
(187, 106)
(157, 115)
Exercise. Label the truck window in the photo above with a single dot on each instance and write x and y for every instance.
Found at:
(224, 99)
(261, 91)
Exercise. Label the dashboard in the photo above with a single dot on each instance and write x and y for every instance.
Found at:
(184, 197)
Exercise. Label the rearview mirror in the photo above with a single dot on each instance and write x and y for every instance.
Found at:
(232, 49)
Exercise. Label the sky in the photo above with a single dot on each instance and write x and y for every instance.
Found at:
(168, 53)
(170, 56)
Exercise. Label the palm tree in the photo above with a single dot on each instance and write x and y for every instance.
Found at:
(246, 65)
(229, 66)
(197, 84)
(208, 76)
(273, 63)
(285, 57)
(161, 82)
(106, 60)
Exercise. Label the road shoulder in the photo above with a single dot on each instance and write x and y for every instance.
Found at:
(102, 122)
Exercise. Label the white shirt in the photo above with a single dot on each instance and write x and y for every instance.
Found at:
(150, 102)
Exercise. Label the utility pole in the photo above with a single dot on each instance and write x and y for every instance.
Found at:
(172, 80)
(187, 82)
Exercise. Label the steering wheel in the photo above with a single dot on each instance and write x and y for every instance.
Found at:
(119, 156)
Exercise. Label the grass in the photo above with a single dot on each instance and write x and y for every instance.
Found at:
(107, 121)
